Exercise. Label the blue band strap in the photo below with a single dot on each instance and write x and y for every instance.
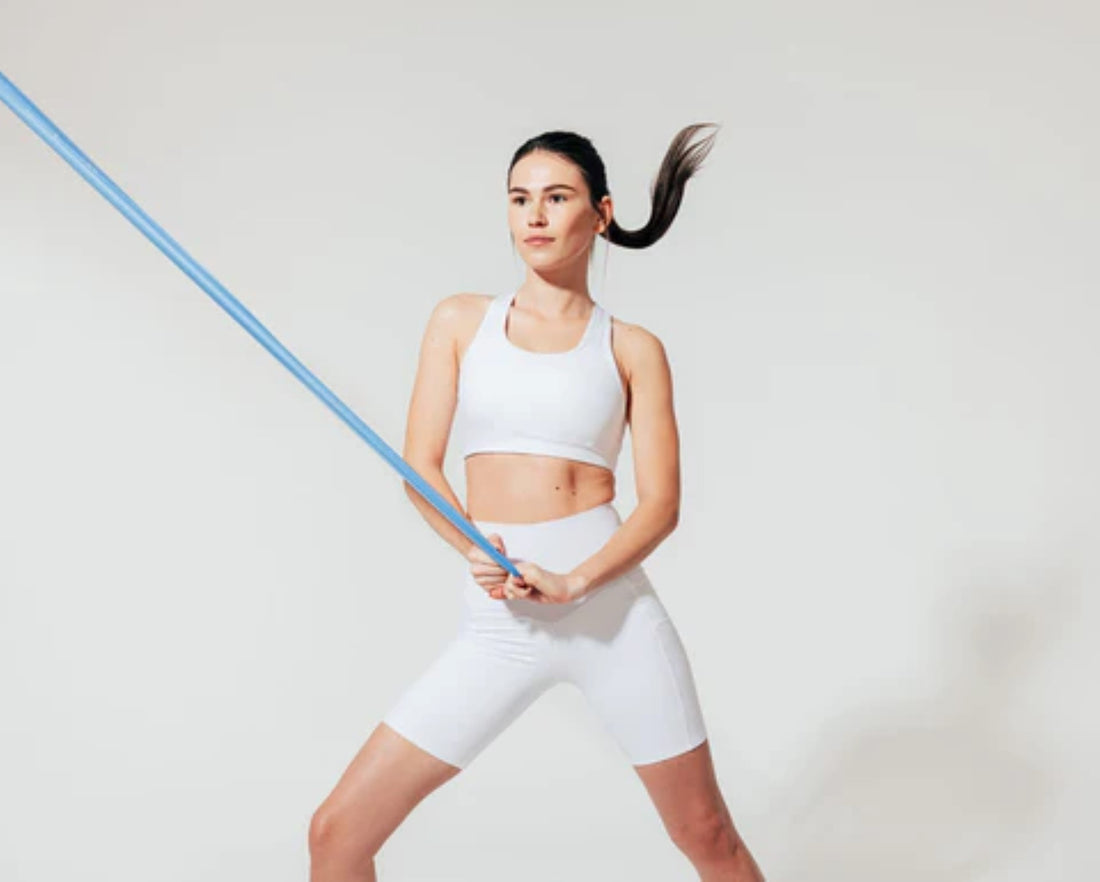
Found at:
(68, 151)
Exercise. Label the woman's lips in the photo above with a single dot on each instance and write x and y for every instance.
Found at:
(539, 241)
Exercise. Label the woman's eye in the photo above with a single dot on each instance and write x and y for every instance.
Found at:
(516, 200)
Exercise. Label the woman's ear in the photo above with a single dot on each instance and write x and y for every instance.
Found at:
(606, 213)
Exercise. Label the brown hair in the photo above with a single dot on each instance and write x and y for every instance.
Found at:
(682, 160)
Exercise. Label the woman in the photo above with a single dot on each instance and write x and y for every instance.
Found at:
(545, 381)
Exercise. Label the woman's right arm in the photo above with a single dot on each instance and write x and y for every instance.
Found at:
(431, 414)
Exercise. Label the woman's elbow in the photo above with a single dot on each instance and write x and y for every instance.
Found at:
(430, 472)
(669, 509)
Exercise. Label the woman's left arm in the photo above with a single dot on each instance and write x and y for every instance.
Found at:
(655, 442)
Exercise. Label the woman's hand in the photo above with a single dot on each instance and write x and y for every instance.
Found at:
(488, 573)
(541, 586)
(537, 585)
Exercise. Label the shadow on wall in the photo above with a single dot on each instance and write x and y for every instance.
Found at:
(908, 790)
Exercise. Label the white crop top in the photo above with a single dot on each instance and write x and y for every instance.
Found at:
(568, 404)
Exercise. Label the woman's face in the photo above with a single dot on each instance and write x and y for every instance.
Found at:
(548, 199)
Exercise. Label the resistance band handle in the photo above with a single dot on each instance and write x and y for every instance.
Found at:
(52, 135)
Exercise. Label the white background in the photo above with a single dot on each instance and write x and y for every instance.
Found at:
(880, 305)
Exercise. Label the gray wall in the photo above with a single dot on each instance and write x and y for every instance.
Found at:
(879, 301)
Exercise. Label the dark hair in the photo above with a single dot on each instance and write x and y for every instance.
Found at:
(682, 160)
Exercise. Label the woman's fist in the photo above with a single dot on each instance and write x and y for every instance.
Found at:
(494, 580)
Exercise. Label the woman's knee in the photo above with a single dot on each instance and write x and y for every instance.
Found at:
(334, 836)
(708, 836)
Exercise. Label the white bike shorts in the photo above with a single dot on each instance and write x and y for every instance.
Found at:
(617, 645)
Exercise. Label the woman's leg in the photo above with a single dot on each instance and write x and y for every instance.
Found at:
(387, 779)
(470, 693)
(685, 791)
(627, 658)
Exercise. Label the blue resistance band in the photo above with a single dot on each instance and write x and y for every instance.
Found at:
(68, 151)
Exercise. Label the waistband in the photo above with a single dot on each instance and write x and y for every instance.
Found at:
(604, 513)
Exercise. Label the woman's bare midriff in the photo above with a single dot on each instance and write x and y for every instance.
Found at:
(521, 488)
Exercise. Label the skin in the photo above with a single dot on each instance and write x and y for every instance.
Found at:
(390, 775)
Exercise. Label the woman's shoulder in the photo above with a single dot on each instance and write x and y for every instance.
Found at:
(635, 345)
(458, 316)
(456, 310)
(637, 351)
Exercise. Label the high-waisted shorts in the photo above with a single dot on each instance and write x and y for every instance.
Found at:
(616, 644)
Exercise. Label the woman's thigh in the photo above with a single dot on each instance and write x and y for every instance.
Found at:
(473, 690)
(385, 781)
(627, 658)
(469, 693)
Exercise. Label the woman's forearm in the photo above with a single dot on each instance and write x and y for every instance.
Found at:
(436, 520)
(634, 540)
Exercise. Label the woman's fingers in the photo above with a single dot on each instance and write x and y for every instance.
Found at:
(485, 570)
(497, 581)
(515, 589)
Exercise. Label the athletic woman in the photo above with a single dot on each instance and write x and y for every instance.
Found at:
(543, 382)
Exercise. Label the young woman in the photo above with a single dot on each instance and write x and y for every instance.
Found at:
(544, 382)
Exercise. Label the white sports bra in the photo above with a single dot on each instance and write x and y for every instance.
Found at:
(567, 404)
